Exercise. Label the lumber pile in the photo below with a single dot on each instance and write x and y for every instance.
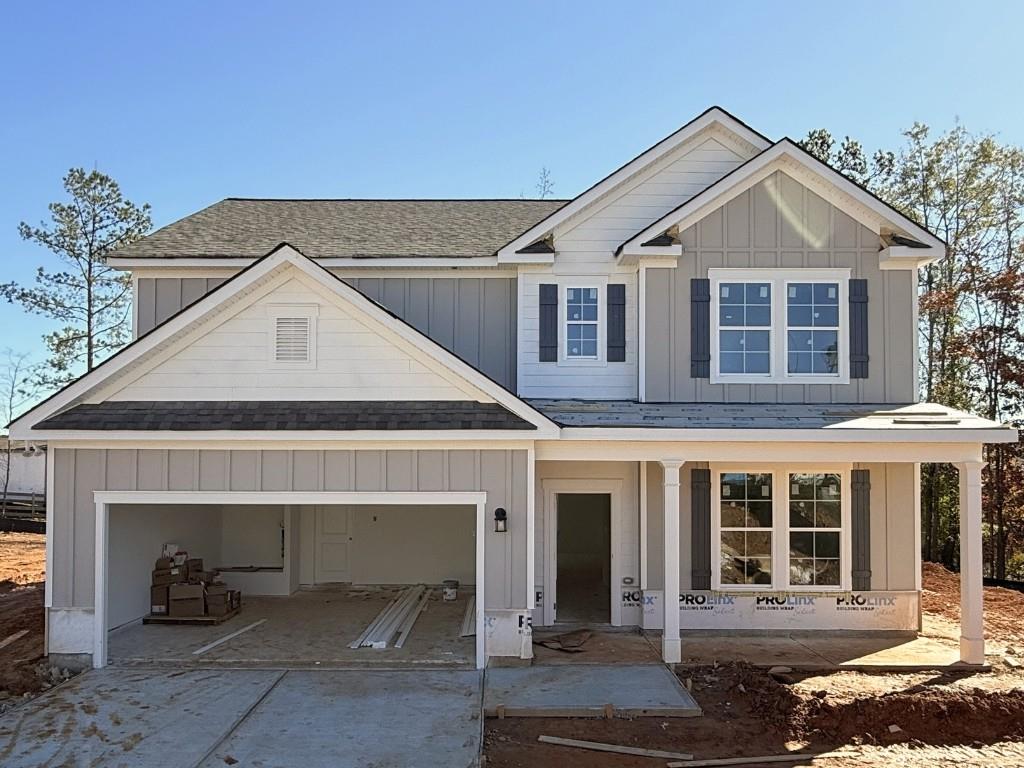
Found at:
(393, 624)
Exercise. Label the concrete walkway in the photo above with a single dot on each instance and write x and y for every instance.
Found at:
(587, 690)
(190, 717)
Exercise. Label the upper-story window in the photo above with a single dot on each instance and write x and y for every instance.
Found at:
(779, 326)
(581, 323)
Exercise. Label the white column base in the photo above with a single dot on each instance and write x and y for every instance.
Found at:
(972, 650)
(671, 650)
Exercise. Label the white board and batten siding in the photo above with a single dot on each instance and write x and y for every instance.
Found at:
(234, 360)
(585, 247)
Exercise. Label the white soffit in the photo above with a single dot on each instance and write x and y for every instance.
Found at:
(712, 119)
(824, 181)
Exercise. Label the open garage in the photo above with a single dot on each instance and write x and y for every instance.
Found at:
(314, 576)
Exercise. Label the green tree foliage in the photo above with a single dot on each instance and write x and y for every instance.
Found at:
(969, 190)
(90, 300)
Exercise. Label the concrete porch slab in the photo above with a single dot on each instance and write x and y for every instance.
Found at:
(586, 690)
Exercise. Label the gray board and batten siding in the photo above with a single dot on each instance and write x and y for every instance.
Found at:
(780, 224)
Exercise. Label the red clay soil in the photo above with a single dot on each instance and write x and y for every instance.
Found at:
(749, 713)
(22, 570)
(1004, 608)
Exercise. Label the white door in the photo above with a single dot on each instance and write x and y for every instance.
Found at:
(331, 544)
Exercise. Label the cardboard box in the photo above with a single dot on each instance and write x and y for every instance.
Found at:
(163, 563)
(216, 589)
(158, 602)
(218, 605)
(235, 598)
(187, 600)
(165, 576)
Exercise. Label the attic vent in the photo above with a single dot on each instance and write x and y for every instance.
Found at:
(291, 339)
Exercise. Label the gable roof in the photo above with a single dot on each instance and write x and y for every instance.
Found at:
(513, 250)
(237, 287)
(788, 156)
(365, 229)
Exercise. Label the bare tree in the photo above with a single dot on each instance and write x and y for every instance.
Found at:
(18, 388)
(545, 186)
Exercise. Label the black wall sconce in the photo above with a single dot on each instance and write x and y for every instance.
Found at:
(500, 520)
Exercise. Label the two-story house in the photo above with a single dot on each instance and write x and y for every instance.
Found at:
(685, 399)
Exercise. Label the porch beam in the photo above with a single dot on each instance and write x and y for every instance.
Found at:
(972, 625)
(671, 645)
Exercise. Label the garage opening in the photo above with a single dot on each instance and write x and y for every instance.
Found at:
(312, 578)
(584, 558)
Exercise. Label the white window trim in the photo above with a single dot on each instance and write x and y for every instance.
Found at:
(274, 311)
(780, 526)
(590, 281)
(780, 279)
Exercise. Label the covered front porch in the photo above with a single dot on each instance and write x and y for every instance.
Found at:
(769, 532)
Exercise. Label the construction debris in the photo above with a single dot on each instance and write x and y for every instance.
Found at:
(598, 746)
(469, 619)
(570, 642)
(810, 758)
(396, 619)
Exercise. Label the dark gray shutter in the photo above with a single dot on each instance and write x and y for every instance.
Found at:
(700, 328)
(700, 528)
(858, 329)
(616, 323)
(860, 527)
(548, 323)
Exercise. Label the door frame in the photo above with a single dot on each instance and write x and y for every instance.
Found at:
(551, 489)
(317, 512)
(103, 500)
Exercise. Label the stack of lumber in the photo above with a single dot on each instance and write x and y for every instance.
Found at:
(393, 624)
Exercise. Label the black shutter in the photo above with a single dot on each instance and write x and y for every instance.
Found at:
(860, 528)
(616, 330)
(700, 528)
(858, 328)
(548, 323)
(700, 328)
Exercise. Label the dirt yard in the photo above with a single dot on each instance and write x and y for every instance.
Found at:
(23, 670)
(919, 720)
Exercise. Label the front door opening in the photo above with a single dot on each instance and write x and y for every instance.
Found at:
(583, 579)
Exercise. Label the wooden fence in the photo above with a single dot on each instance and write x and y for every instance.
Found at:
(23, 512)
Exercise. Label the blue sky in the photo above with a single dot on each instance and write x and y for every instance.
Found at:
(185, 103)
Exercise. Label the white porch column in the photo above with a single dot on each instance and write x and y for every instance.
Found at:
(972, 633)
(671, 647)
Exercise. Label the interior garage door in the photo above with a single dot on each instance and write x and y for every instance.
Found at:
(332, 544)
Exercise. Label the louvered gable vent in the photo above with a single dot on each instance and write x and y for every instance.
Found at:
(292, 339)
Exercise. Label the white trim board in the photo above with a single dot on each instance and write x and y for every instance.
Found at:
(551, 490)
(103, 500)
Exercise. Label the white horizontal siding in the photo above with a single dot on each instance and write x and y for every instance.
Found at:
(233, 362)
(607, 381)
(585, 246)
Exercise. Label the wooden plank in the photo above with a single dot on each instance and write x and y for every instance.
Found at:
(598, 746)
(758, 760)
(13, 638)
(410, 622)
(197, 620)
(469, 619)
(219, 641)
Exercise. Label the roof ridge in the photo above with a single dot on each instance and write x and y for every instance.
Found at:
(398, 199)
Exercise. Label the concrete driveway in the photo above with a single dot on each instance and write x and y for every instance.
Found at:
(265, 718)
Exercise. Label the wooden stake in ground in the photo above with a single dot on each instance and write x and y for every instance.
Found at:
(758, 760)
(598, 746)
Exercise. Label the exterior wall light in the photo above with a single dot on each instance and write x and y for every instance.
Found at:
(500, 520)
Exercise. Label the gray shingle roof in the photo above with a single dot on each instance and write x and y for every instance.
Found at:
(315, 415)
(628, 413)
(238, 227)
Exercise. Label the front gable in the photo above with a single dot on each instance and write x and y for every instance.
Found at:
(224, 348)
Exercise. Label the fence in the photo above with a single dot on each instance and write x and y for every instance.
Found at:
(23, 512)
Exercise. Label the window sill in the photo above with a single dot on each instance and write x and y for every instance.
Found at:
(582, 363)
(743, 379)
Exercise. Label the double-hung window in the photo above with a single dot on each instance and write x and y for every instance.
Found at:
(581, 323)
(778, 527)
(780, 326)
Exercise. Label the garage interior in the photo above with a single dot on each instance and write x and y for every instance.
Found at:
(313, 578)
(583, 580)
